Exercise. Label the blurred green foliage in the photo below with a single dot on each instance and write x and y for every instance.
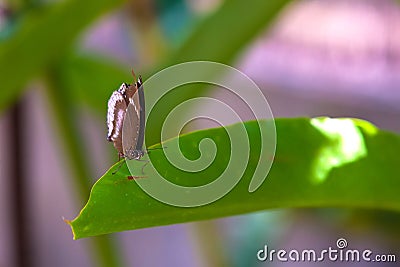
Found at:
(42, 39)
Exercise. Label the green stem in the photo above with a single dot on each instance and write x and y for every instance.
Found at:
(103, 248)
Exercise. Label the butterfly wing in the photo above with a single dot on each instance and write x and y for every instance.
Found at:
(131, 126)
(115, 116)
(142, 119)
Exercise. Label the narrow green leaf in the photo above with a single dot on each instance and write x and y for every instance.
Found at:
(225, 33)
(43, 37)
(92, 79)
(318, 163)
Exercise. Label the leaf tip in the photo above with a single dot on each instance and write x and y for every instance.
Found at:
(66, 221)
(69, 222)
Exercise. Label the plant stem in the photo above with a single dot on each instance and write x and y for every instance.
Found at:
(18, 187)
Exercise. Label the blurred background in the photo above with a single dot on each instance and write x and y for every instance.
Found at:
(61, 60)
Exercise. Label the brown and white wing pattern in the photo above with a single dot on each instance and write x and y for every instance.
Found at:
(117, 105)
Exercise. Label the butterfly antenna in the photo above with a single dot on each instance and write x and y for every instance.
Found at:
(134, 75)
(119, 167)
(156, 148)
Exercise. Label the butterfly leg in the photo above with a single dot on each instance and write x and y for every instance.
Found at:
(144, 165)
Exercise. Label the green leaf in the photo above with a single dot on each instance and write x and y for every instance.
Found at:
(42, 38)
(319, 162)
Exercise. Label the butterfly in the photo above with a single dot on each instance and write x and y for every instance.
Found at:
(126, 114)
